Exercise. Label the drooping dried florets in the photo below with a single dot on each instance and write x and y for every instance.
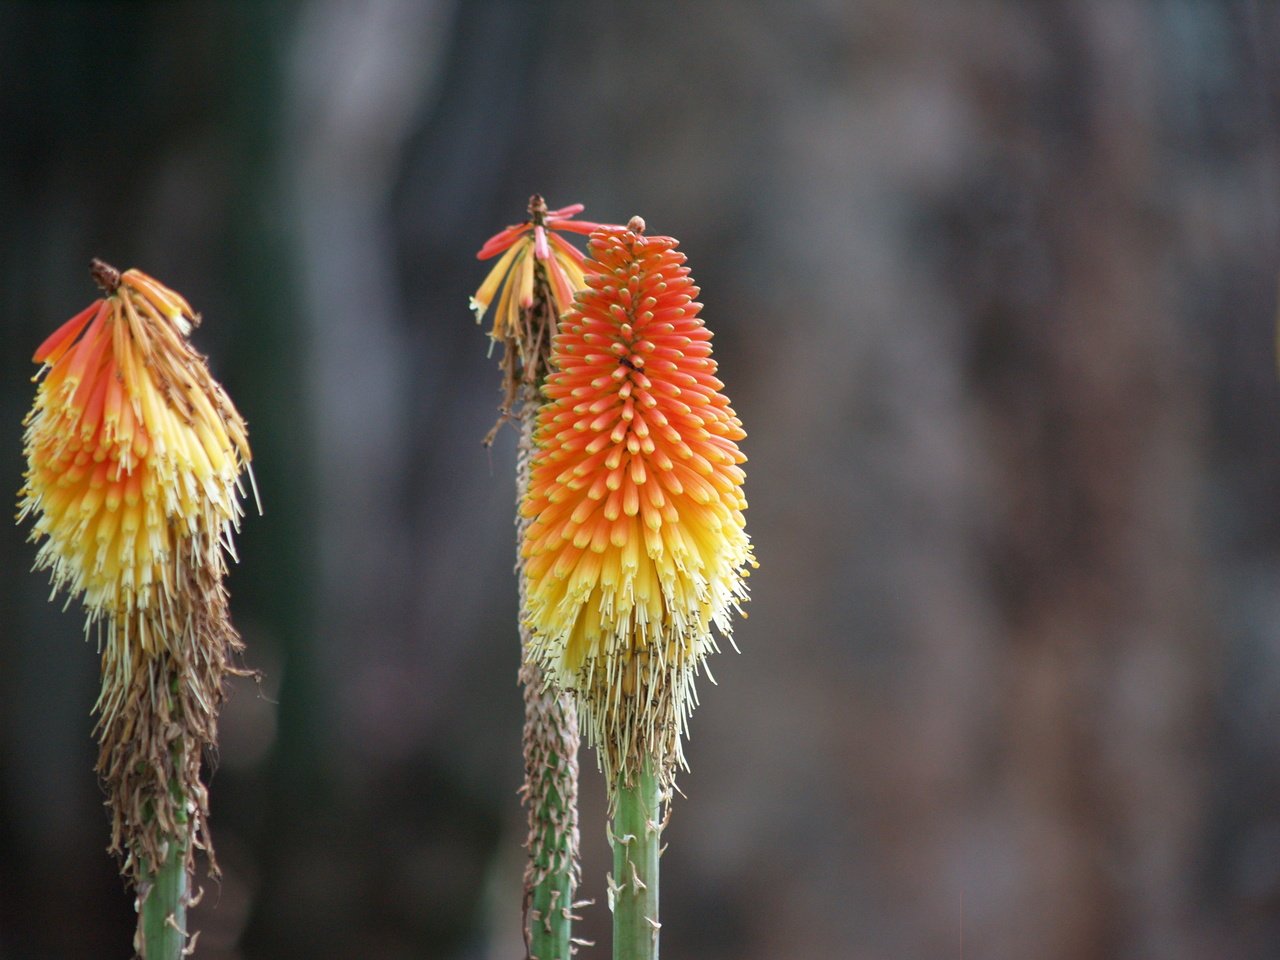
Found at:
(637, 544)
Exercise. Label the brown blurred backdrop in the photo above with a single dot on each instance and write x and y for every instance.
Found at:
(994, 287)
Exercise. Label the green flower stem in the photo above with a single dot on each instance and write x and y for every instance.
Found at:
(549, 915)
(636, 835)
(162, 916)
(162, 923)
(551, 770)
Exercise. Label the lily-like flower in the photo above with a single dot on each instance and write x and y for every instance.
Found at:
(637, 544)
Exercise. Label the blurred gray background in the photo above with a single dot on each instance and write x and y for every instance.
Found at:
(994, 289)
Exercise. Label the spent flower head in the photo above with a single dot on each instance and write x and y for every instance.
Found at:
(134, 458)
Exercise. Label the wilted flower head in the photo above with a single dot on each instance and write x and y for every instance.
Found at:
(134, 450)
(637, 543)
(134, 454)
(521, 245)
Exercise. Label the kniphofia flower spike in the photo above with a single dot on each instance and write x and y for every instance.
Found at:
(637, 544)
(134, 458)
(511, 280)
(134, 450)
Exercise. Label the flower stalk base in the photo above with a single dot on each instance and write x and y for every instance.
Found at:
(551, 792)
(636, 836)
(162, 915)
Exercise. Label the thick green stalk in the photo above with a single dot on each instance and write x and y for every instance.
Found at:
(162, 919)
(162, 915)
(550, 927)
(636, 837)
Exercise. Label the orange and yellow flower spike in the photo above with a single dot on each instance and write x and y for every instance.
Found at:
(637, 543)
(134, 462)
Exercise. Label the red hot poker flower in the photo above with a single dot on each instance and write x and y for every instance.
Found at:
(637, 543)
(134, 463)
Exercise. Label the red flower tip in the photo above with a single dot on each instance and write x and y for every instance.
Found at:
(563, 212)
(501, 241)
(61, 339)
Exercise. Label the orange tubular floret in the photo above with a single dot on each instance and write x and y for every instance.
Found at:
(568, 249)
(61, 339)
(501, 241)
(573, 226)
